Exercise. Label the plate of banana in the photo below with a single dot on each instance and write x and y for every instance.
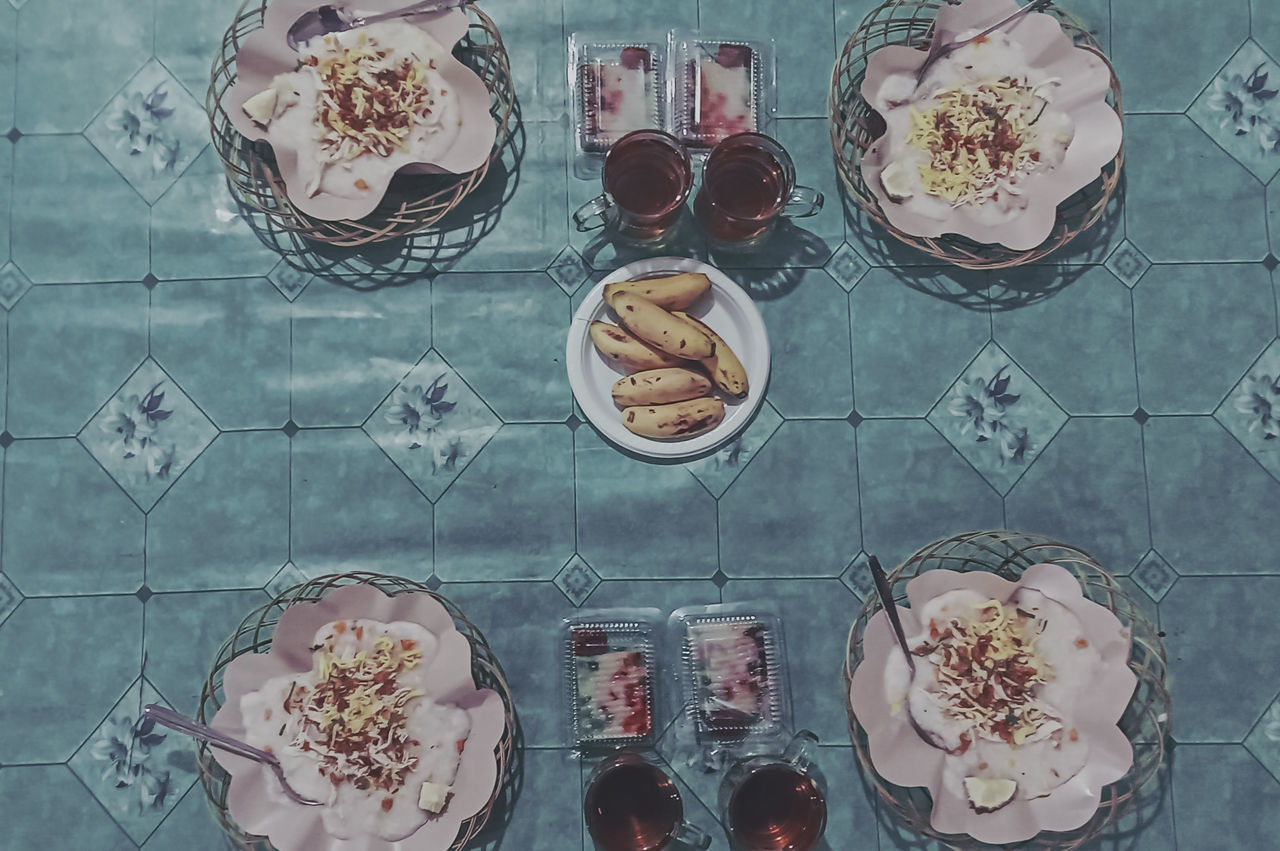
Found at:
(668, 357)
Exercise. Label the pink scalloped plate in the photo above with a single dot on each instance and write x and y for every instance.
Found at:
(254, 800)
(902, 757)
(1085, 81)
(266, 54)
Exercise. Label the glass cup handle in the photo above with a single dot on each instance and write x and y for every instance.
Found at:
(797, 752)
(592, 214)
(806, 202)
(692, 836)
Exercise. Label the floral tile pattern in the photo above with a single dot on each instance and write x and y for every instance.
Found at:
(136, 771)
(432, 425)
(1239, 110)
(147, 434)
(151, 131)
(1252, 410)
(718, 470)
(1264, 741)
(997, 417)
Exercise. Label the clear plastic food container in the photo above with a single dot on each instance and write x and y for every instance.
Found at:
(723, 86)
(611, 673)
(616, 85)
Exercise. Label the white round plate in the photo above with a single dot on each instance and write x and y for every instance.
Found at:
(727, 309)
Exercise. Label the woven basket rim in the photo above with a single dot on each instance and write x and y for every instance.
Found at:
(1146, 721)
(909, 22)
(256, 631)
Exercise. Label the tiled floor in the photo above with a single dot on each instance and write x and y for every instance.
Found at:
(188, 419)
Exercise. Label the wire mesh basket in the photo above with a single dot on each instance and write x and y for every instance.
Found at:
(1145, 721)
(413, 203)
(254, 636)
(855, 125)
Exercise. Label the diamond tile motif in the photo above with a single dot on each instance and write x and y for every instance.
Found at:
(568, 270)
(432, 425)
(286, 578)
(718, 470)
(1264, 741)
(997, 417)
(137, 774)
(12, 285)
(577, 580)
(1154, 576)
(1251, 411)
(147, 434)
(858, 578)
(1240, 112)
(1128, 263)
(847, 266)
(9, 598)
(151, 131)
(290, 281)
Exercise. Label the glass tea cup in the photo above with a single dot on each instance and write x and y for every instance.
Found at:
(633, 805)
(774, 802)
(748, 182)
(647, 178)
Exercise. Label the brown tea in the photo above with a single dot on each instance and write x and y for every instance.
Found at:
(777, 808)
(648, 178)
(632, 806)
(744, 187)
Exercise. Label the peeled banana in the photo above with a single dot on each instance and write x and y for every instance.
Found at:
(660, 387)
(619, 346)
(663, 330)
(673, 292)
(726, 370)
(678, 419)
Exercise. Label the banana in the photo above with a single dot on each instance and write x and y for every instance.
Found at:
(679, 419)
(674, 292)
(660, 387)
(620, 347)
(726, 370)
(660, 329)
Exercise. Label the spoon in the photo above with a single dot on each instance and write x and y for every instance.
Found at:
(891, 610)
(937, 49)
(152, 714)
(335, 19)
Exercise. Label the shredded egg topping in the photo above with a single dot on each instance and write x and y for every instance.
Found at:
(987, 669)
(980, 138)
(355, 717)
(371, 98)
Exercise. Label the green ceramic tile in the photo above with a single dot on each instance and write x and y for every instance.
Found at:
(1264, 741)
(537, 53)
(1200, 479)
(916, 488)
(42, 721)
(519, 370)
(907, 345)
(57, 96)
(1251, 411)
(851, 810)
(640, 519)
(1238, 111)
(190, 826)
(53, 388)
(1089, 488)
(228, 343)
(1200, 42)
(809, 375)
(1213, 786)
(576, 580)
(13, 284)
(1078, 345)
(8, 63)
(63, 488)
(510, 514)
(189, 36)
(351, 509)
(350, 348)
(1173, 213)
(1215, 702)
(37, 800)
(225, 524)
(6, 191)
(718, 470)
(111, 245)
(800, 488)
(1182, 312)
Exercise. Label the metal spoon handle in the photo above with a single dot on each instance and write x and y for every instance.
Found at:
(890, 608)
(936, 53)
(415, 9)
(194, 729)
